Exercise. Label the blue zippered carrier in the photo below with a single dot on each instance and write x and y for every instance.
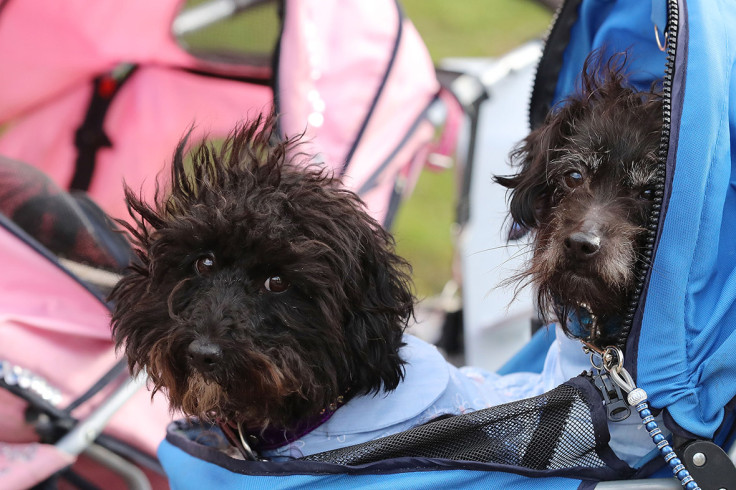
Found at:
(679, 335)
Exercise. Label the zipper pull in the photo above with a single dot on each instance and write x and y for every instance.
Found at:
(613, 398)
(612, 364)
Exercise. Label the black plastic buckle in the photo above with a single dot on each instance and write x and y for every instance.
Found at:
(614, 399)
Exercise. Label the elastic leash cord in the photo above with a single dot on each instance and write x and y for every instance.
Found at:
(612, 360)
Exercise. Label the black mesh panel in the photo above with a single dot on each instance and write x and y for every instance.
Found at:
(551, 431)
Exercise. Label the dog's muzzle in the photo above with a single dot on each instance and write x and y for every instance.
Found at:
(204, 355)
(584, 242)
(582, 245)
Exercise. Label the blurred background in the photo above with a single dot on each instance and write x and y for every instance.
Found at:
(469, 29)
(466, 29)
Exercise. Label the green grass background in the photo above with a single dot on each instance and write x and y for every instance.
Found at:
(465, 28)
(450, 28)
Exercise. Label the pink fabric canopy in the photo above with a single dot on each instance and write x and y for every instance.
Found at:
(353, 75)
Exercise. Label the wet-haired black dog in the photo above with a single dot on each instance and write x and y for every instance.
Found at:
(585, 187)
(264, 292)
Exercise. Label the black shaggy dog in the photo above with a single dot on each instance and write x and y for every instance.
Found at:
(585, 187)
(264, 292)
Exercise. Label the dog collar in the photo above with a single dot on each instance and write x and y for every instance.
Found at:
(250, 442)
(585, 325)
(582, 323)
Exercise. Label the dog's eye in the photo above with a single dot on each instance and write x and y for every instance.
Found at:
(276, 284)
(204, 264)
(646, 194)
(573, 179)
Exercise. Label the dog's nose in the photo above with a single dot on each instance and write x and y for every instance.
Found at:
(583, 245)
(204, 355)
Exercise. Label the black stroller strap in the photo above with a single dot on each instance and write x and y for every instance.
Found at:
(90, 136)
(379, 91)
(105, 380)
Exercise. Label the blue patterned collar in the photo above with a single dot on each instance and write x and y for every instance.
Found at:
(583, 324)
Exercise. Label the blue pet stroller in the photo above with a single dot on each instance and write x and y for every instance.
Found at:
(678, 335)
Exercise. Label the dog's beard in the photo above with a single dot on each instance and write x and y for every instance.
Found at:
(256, 389)
(203, 397)
(602, 284)
(613, 271)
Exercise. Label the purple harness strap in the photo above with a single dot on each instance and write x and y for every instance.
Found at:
(273, 437)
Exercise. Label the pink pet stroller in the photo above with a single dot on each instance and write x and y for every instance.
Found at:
(96, 92)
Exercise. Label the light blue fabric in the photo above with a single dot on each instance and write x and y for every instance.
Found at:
(432, 387)
(685, 352)
(188, 473)
(531, 357)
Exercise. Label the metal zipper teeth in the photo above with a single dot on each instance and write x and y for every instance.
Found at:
(654, 217)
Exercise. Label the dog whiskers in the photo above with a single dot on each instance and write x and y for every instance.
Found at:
(512, 257)
(520, 245)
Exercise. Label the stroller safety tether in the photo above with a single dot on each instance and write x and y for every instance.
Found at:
(612, 364)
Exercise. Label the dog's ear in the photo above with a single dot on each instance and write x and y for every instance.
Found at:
(530, 192)
(382, 297)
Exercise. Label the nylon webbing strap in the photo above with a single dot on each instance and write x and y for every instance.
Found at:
(90, 136)
(552, 421)
(105, 380)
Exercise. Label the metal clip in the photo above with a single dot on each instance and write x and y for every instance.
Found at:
(246, 450)
(662, 46)
(612, 379)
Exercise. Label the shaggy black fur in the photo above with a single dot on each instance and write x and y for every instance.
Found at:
(264, 290)
(585, 188)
